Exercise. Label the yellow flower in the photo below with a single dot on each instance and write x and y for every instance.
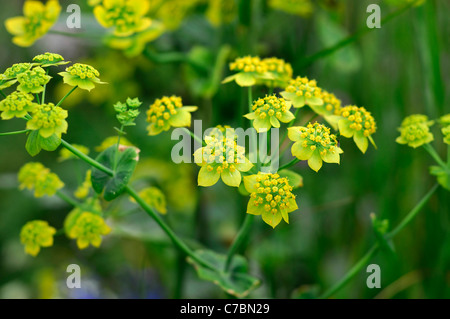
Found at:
(110, 141)
(446, 132)
(221, 11)
(415, 135)
(83, 190)
(36, 234)
(9, 77)
(36, 176)
(358, 123)
(49, 59)
(33, 80)
(86, 227)
(302, 91)
(302, 8)
(135, 44)
(221, 158)
(249, 70)
(445, 120)
(155, 198)
(329, 109)
(270, 197)
(48, 119)
(17, 104)
(125, 16)
(268, 112)
(315, 144)
(167, 112)
(82, 75)
(37, 20)
(280, 70)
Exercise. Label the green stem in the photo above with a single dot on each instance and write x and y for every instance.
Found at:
(37, 98)
(374, 249)
(67, 95)
(43, 92)
(291, 163)
(195, 137)
(14, 133)
(67, 199)
(240, 239)
(362, 31)
(250, 99)
(177, 242)
(435, 156)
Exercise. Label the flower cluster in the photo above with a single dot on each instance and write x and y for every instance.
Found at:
(36, 176)
(81, 75)
(33, 80)
(9, 77)
(415, 131)
(127, 112)
(358, 123)
(329, 109)
(270, 111)
(221, 158)
(37, 20)
(249, 70)
(125, 16)
(17, 104)
(270, 196)
(48, 119)
(315, 144)
(36, 234)
(166, 112)
(301, 91)
(49, 59)
(280, 71)
(86, 227)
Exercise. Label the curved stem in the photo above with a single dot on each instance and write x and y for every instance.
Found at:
(67, 199)
(195, 137)
(291, 163)
(67, 95)
(240, 239)
(14, 133)
(374, 249)
(435, 156)
(45, 88)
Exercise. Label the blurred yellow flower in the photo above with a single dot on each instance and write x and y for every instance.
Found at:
(155, 198)
(37, 20)
(36, 176)
(83, 190)
(302, 8)
(36, 234)
(86, 227)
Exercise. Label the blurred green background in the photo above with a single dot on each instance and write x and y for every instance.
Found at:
(395, 71)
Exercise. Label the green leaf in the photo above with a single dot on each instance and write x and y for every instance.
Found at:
(50, 143)
(295, 179)
(33, 145)
(235, 282)
(113, 186)
(443, 176)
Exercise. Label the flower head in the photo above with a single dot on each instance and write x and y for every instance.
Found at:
(86, 227)
(49, 59)
(249, 70)
(33, 80)
(36, 176)
(36, 234)
(17, 104)
(415, 135)
(416, 119)
(302, 91)
(358, 123)
(9, 77)
(271, 197)
(315, 144)
(37, 20)
(166, 112)
(221, 158)
(280, 71)
(270, 111)
(82, 75)
(48, 119)
(125, 16)
(329, 109)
